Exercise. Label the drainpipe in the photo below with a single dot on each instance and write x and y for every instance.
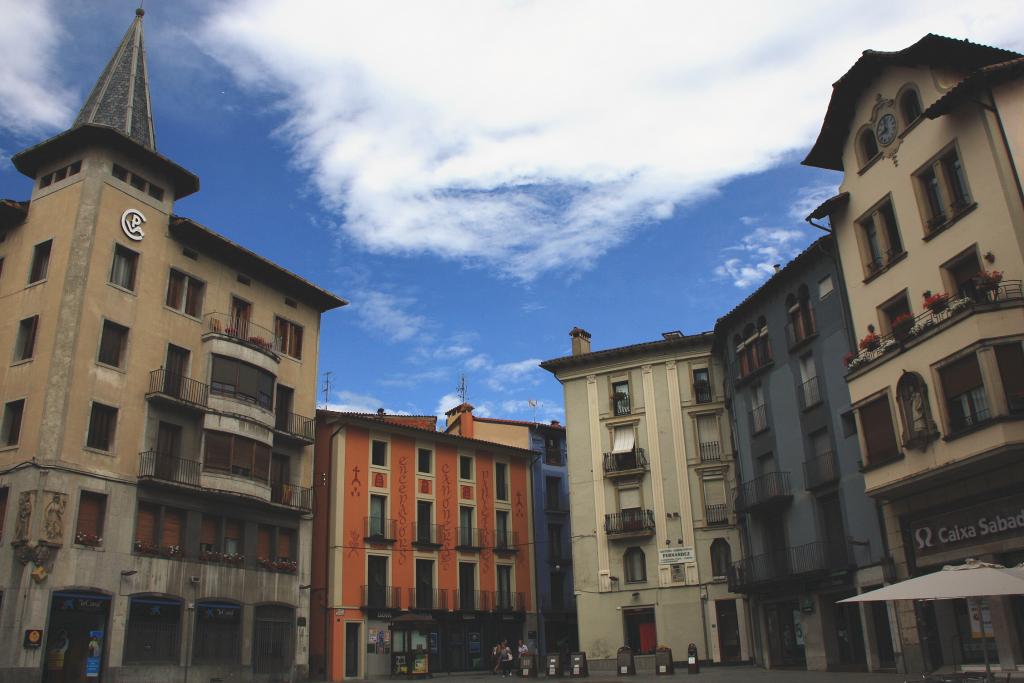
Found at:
(325, 611)
(541, 636)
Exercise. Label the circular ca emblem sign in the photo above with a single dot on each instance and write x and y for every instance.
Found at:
(131, 223)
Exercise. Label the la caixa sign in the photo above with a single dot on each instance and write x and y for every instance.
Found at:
(976, 524)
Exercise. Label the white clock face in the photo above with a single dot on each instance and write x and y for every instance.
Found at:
(885, 130)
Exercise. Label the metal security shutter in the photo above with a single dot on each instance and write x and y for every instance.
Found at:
(273, 644)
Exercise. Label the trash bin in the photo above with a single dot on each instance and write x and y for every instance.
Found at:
(554, 665)
(528, 666)
(663, 661)
(624, 663)
(692, 662)
(578, 665)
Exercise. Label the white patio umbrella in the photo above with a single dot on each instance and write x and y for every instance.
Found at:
(972, 579)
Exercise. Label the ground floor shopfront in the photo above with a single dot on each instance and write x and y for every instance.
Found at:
(378, 643)
(978, 516)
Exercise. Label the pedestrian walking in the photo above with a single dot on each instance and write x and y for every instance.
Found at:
(506, 660)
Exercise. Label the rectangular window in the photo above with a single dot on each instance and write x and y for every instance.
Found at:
(233, 537)
(553, 493)
(629, 498)
(185, 293)
(552, 451)
(502, 533)
(702, 385)
(879, 237)
(241, 381)
(13, 411)
(758, 410)
(102, 425)
(138, 182)
(500, 481)
(555, 541)
(965, 393)
(504, 587)
(424, 457)
(708, 438)
(879, 435)
(156, 192)
(286, 547)
(236, 455)
(465, 467)
(24, 347)
(208, 531)
(942, 189)
(289, 337)
(379, 453)
(1010, 358)
(40, 262)
(112, 344)
(424, 520)
(825, 287)
(810, 390)
(146, 520)
(620, 398)
(896, 308)
(119, 172)
(263, 536)
(378, 516)
(122, 270)
(92, 508)
(466, 537)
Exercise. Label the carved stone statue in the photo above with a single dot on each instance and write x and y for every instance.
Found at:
(53, 523)
(24, 521)
(918, 427)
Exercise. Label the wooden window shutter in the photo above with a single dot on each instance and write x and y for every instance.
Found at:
(174, 289)
(961, 376)
(285, 544)
(263, 543)
(208, 532)
(233, 529)
(218, 451)
(145, 523)
(174, 524)
(1010, 358)
(879, 437)
(261, 462)
(241, 453)
(90, 513)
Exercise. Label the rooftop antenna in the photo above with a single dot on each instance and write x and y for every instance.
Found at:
(461, 389)
(327, 387)
(533, 405)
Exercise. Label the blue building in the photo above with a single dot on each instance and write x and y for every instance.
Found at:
(553, 578)
(811, 534)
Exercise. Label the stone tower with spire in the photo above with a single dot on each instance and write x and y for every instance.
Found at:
(158, 510)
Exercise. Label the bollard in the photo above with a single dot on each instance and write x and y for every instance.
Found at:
(578, 665)
(554, 665)
(692, 662)
(528, 666)
(663, 661)
(624, 662)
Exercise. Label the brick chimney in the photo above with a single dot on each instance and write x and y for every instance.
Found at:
(580, 341)
(463, 415)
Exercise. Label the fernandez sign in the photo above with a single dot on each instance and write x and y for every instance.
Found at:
(973, 525)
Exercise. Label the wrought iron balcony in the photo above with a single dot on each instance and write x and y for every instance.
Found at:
(170, 468)
(810, 393)
(379, 530)
(820, 470)
(628, 523)
(717, 514)
(702, 392)
(473, 601)
(507, 601)
(382, 597)
(470, 538)
(300, 497)
(630, 462)
(765, 491)
(426, 535)
(759, 419)
(243, 331)
(297, 426)
(428, 599)
(710, 451)
(553, 456)
(506, 541)
(178, 388)
(799, 562)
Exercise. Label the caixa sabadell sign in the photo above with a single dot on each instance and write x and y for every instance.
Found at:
(990, 521)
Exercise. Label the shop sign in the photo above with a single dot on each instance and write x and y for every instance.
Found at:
(675, 555)
(132, 221)
(968, 526)
(33, 637)
(474, 643)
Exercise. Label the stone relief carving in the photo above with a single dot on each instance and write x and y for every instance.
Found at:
(24, 522)
(53, 520)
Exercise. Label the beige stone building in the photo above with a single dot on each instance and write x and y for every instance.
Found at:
(650, 464)
(929, 226)
(157, 399)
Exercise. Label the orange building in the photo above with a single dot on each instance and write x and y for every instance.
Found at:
(422, 547)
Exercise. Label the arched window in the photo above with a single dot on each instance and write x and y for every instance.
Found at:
(635, 565)
(868, 145)
(918, 426)
(721, 557)
(154, 630)
(910, 105)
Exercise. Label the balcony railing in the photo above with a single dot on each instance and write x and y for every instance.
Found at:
(636, 522)
(432, 599)
(243, 331)
(382, 597)
(620, 404)
(962, 422)
(759, 419)
(553, 456)
(179, 387)
(702, 392)
(810, 393)
(170, 468)
(798, 334)
(710, 451)
(820, 470)
(768, 489)
(379, 530)
(797, 562)
(427, 535)
(473, 601)
(470, 538)
(716, 514)
(299, 497)
(506, 601)
(506, 541)
(296, 425)
(985, 298)
(625, 463)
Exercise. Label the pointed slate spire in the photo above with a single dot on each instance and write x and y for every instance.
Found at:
(120, 98)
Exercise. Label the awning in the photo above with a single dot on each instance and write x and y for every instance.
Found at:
(624, 441)
(972, 579)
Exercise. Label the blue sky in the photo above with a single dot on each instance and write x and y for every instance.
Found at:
(478, 178)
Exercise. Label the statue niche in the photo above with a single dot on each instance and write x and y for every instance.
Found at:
(918, 426)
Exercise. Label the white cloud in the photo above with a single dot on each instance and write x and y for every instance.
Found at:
(351, 402)
(758, 253)
(530, 136)
(388, 316)
(542, 411)
(32, 98)
(514, 373)
(809, 198)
